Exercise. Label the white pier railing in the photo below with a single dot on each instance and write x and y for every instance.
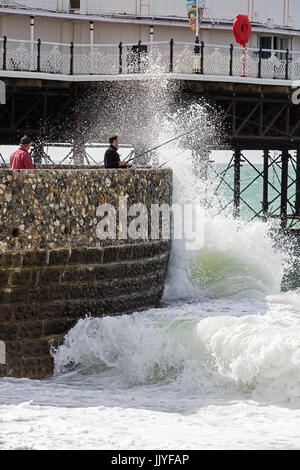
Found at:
(160, 57)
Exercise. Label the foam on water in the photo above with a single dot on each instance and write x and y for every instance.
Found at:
(195, 348)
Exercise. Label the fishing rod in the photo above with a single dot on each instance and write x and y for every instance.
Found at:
(161, 145)
(187, 133)
(194, 130)
(178, 155)
(129, 155)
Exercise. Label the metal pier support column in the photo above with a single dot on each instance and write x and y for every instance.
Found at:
(265, 203)
(78, 152)
(78, 141)
(38, 152)
(237, 181)
(297, 202)
(284, 188)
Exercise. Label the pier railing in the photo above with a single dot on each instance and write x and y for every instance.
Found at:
(160, 57)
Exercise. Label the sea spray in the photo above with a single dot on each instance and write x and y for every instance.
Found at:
(234, 256)
(219, 286)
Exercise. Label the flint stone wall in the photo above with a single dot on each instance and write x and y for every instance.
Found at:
(54, 270)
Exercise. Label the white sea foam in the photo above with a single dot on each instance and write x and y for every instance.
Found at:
(196, 347)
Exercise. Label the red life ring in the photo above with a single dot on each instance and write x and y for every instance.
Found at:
(242, 29)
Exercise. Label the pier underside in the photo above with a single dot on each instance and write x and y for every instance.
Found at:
(253, 117)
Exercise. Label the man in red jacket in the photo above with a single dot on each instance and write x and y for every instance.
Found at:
(21, 159)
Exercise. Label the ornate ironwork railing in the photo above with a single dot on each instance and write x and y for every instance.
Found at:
(155, 57)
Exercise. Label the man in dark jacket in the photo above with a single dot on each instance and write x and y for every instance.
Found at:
(21, 159)
(112, 158)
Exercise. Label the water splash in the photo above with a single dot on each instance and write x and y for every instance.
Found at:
(234, 256)
(213, 335)
(234, 346)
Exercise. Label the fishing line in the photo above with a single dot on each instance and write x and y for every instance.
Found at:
(171, 159)
(162, 145)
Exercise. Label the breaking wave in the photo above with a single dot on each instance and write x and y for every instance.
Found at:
(225, 326)
(249, 348)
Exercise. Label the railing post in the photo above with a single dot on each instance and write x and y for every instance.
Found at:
(231, 61)
(39, 43)
(171, 68)
(72, 58)
(4, 52)
(120, 58)
(202, 58)
(287, 64)
(259, 62)
(139, 56)
(92, 46)
(196, 48)
(32, 23)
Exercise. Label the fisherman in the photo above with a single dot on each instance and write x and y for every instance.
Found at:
(112, 157)
(21, 159)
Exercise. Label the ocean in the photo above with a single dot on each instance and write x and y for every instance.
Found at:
(216, 367)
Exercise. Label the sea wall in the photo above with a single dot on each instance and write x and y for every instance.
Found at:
(54, 269)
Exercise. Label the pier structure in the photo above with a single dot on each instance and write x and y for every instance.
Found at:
(256, 113)
(266, 119)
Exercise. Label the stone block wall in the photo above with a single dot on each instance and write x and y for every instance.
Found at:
(51, 276)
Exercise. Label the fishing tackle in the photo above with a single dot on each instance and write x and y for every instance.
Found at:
(161, 145)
